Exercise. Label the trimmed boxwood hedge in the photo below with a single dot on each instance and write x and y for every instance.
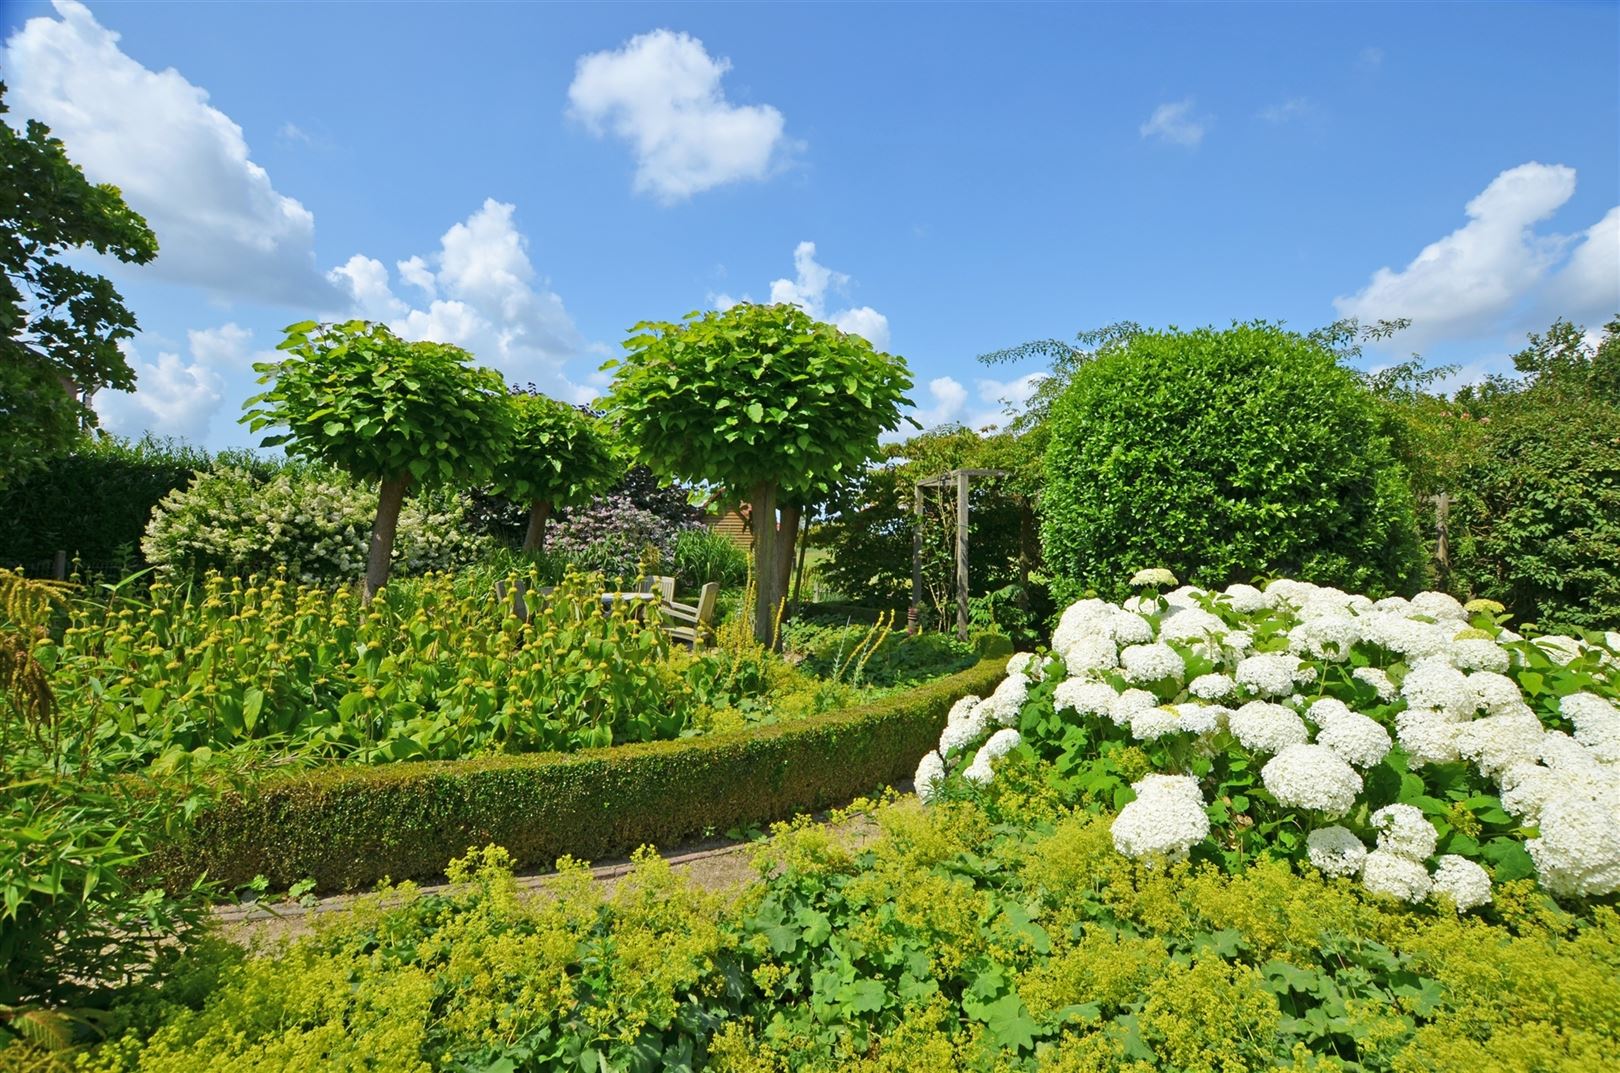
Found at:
(348, 827)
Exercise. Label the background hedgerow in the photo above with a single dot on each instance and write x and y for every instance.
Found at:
(1223, 455)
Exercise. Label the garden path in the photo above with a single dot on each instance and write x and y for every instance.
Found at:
(713, 864)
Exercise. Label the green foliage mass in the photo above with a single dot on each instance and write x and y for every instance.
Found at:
(559, 455)
(755, 395)
(876, 655)
(60, 326)
(702, 556)
(954, 940)
(310, 522)
(95, 502)
(1223, 455)
(1536, 518)
(355, 396)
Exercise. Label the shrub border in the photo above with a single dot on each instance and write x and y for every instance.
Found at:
(348, 827)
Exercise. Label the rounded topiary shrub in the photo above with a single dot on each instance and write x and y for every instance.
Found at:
(1224, 455)
(1535, 518)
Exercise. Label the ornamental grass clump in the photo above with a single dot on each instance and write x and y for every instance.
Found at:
(1420, 746)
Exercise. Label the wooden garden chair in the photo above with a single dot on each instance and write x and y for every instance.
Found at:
(692, 624)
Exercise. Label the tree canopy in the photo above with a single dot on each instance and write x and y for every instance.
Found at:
(60, 327)
(356, 396)
(761, 399)
(559, 457)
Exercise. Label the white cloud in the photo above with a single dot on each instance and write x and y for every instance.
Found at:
(1175, 123)
(1371, 58)
(482, 295)
(949, 397)
(292, 132)
(661, 93)
(995, 401)
(180, 162)
(809, 288)
(1496, 272)
(1292, 108)
(174, 396)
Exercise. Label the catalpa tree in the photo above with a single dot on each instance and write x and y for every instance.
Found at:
(763, 400)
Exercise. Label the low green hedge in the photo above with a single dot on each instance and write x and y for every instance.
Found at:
(348, 827)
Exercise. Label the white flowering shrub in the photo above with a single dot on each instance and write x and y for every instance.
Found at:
(1419, 746)
(312, 521)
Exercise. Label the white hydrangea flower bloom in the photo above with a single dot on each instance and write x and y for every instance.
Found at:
(964, 731)
(1083, 697)
(1578, 853)
(1202, 718)
(1025, 663)
(1379, 681)
(1263, 727)
(1008, 699)
(1152, 662)
(1409, 637)
(1150, 724)
(1428, 735)
(1237, 644)
(1326, 637)
(1324, 711)
(1597, 724)
(1561, 752)
(1467, 884)
(1084, 618)
(1000, 744)
(1167, 818)
(1312, 777)
(1246, 599)
(1395, 876)
(1190, 624)
(1360, 740)
(1439, 605)
(1127, 628)
(1497, 742)
(1270, 674)
(1185, 596)
(1093, 652)
(961, 709)
(1478, 654)
(1560, 649)
(1212, 686)
(1403, 830)
(1496, 694)
(1432, 683)
(1527, 788)
(1127, 704)
(930, 773)
(1334, 851)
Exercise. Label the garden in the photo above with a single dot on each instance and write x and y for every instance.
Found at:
(1280, 727)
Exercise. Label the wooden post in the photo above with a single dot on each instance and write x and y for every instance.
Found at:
(962, 555)
(1442, 538)
(914, 613)
(59, 565)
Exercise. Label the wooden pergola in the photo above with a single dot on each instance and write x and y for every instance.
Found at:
(960, 478)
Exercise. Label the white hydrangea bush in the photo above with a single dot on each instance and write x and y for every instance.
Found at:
(1417, 746)
(314, 522)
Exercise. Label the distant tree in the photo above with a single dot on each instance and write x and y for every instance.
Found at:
(762, 400)
(559, 457)
(59, 326)
(356, 396)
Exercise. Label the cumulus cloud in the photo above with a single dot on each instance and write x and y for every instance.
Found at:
(1174, 122)
(180, 162)
(809, 289)
(661, 93)
(1497, 272)
(176, 396)
(482, 294)
(993, 402)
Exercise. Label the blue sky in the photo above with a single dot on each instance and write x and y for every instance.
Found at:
(530, 180)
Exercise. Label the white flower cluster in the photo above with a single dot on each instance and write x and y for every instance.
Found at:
(1166, 820)
(1251, 670)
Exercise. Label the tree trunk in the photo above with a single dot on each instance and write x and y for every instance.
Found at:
(787, 540)
(535, 538)
(379, 556)
(762, 518)
(804, 544)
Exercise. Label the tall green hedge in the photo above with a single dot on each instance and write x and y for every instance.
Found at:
(95, 502)
(348, 827)
(1224, 455)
